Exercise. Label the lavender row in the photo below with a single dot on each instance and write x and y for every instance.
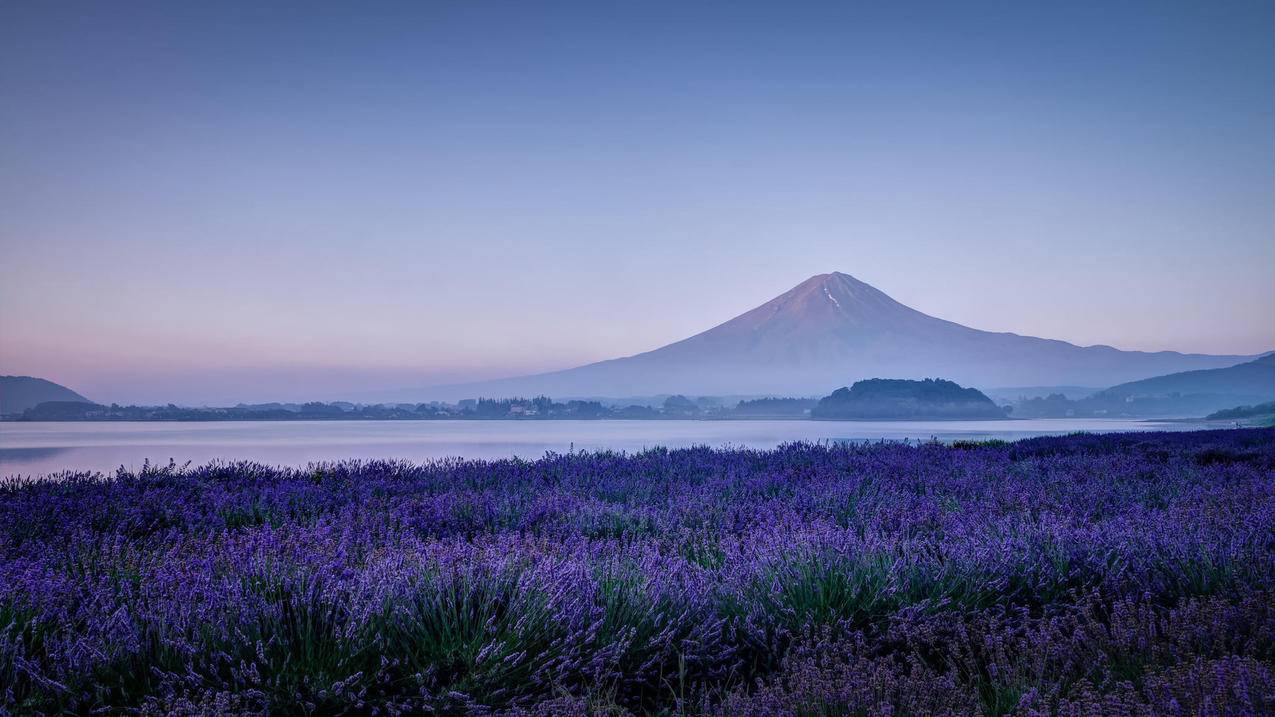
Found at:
(1085, 574)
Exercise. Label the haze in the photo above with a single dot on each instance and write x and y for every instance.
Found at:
(239, 203)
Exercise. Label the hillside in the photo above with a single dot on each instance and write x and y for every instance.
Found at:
(1181, 395)
(1230, 414)
(829, 329)
(1250, 379)
(18, 393)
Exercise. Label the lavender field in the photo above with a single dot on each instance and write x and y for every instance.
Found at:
(1115, 574)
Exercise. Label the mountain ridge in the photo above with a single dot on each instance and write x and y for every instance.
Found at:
(1251, 379)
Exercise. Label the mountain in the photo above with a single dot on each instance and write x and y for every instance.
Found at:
(1195, 393)
(1177, 395)
(1251, 380)
(895, 399)
(831, 330)
(18, 393)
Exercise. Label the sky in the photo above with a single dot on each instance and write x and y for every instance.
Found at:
(222, 202)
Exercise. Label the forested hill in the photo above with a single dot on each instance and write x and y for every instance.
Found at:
(881, 398)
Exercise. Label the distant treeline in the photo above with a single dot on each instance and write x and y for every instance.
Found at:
(78, 411)
(538, 408)
(873, 399)
(1261, 409)
(1106, 404)
(767, 407)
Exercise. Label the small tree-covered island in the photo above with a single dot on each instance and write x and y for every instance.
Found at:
(897, 399)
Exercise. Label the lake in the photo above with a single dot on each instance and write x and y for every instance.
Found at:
(34, 449)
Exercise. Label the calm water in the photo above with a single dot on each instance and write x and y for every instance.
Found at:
(41, 448)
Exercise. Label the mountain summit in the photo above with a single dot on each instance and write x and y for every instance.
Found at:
(831, 330)
(817, 310)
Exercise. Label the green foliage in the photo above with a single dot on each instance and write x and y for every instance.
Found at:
(881, 398)
(485, 636)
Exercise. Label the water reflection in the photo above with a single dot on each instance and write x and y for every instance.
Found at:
(19, 456)
(33, 449)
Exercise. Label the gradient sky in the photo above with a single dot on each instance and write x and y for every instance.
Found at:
(214, 202)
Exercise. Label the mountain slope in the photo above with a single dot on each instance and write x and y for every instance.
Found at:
(18, 393)
(1254, 379)
(1177, 395)
(831, 330)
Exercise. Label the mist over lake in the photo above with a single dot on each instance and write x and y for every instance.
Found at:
(33, 449)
